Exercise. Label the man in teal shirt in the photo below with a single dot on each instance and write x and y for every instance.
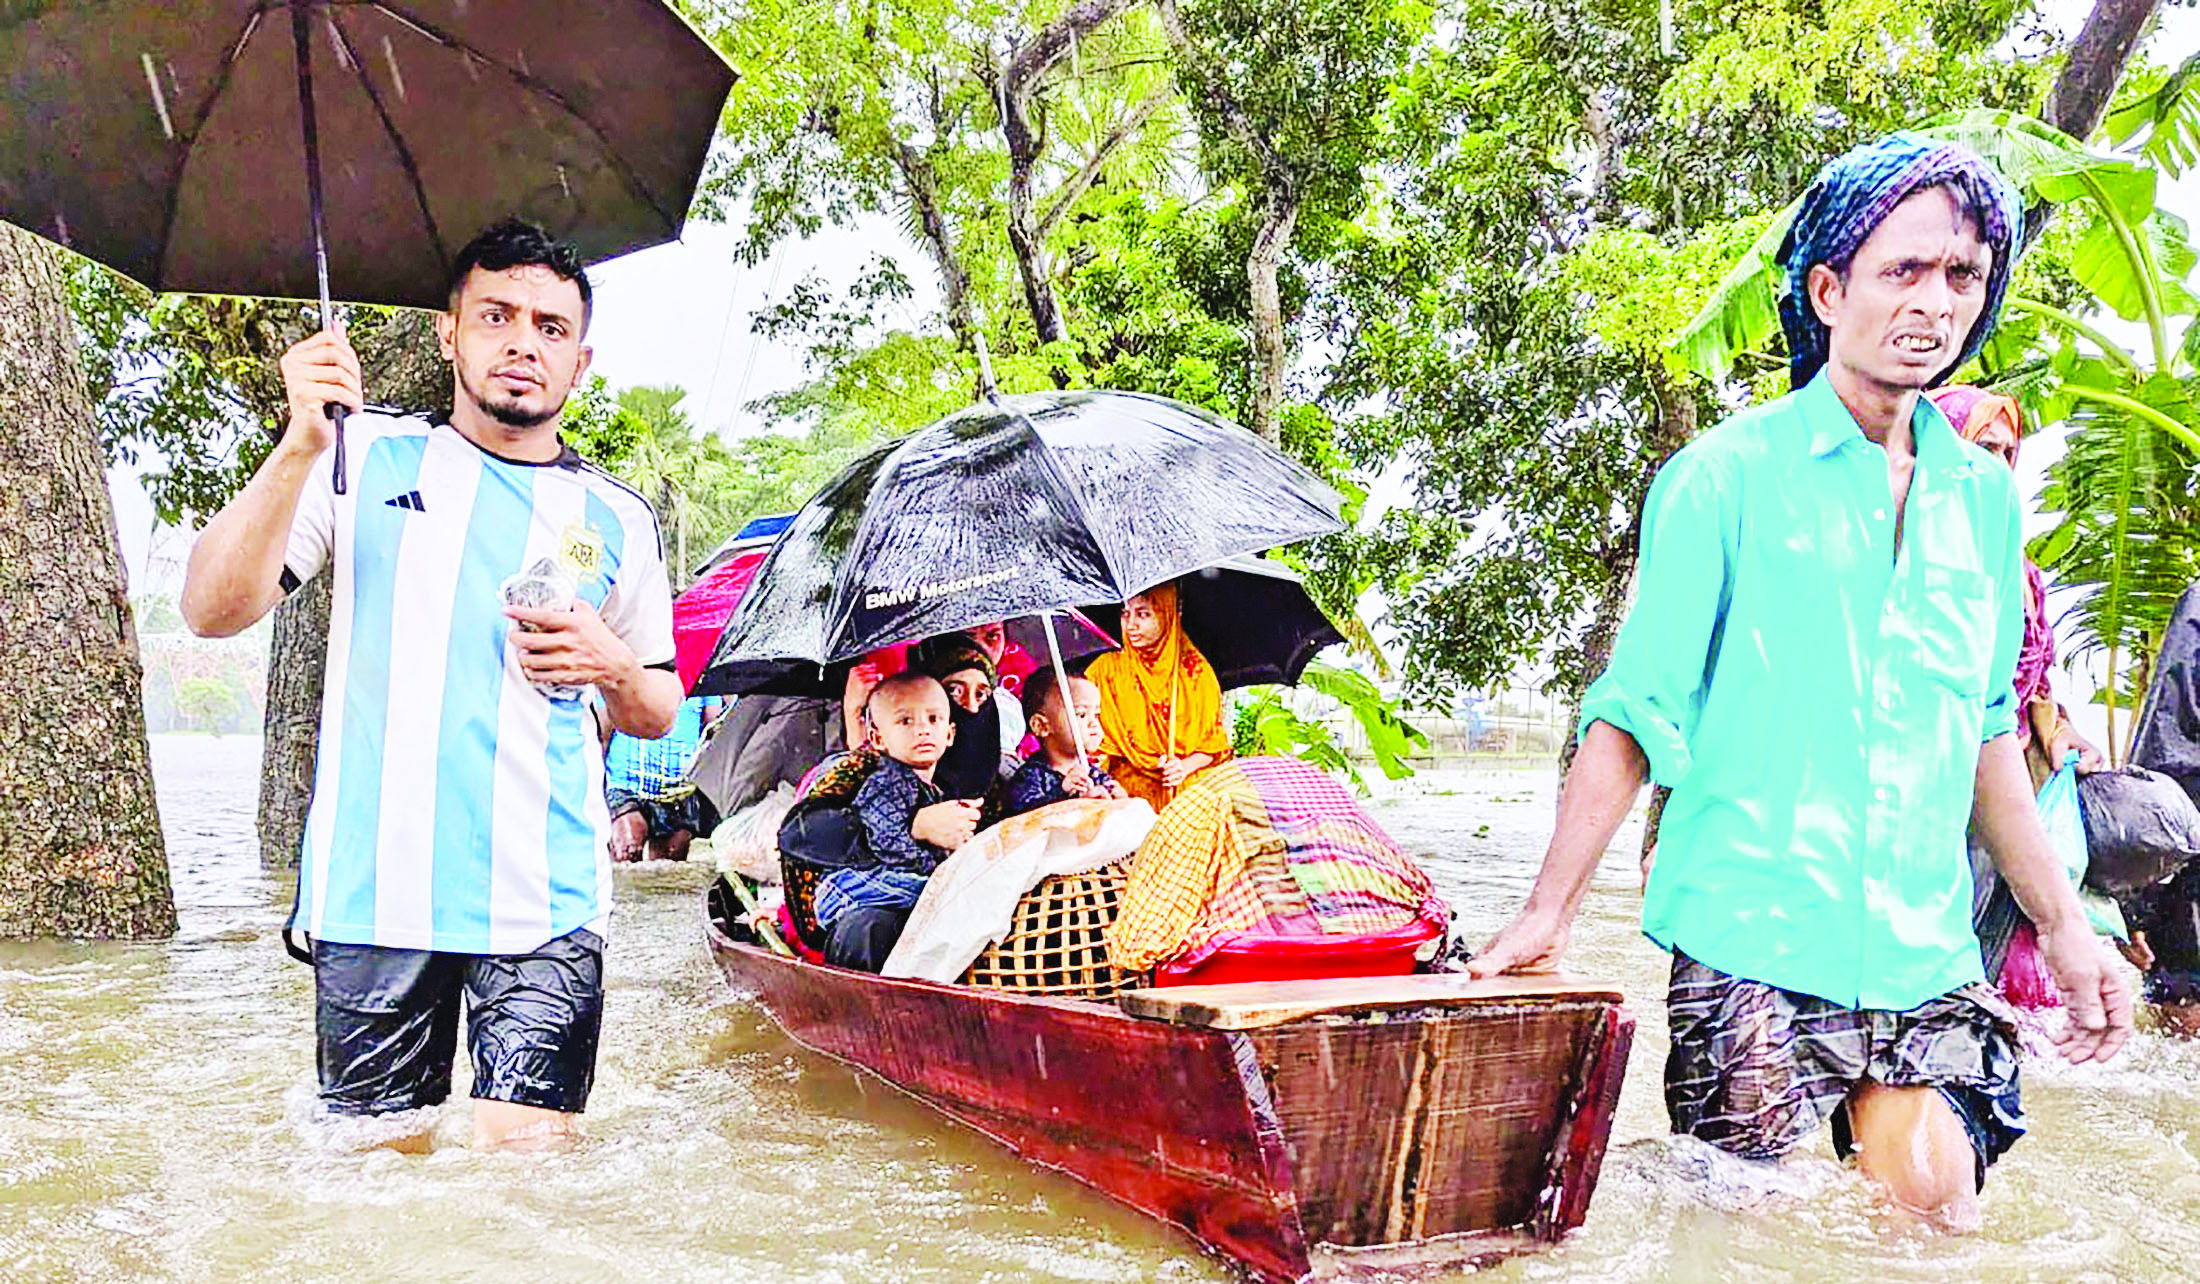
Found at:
(1819, 666)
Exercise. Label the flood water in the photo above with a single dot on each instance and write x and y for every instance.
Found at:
(157, 1121)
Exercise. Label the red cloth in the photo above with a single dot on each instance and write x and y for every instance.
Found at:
(2037, 655)
(785, 924)
(700, 614)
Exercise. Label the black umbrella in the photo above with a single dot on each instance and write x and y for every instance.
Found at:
(1012, 508)
(190, 143)
(1251, 618)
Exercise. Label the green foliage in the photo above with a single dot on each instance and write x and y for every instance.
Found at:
(187, 385)
(1310, 78)
(2125, 489)
(1389, 737)
(206, 704)
(2163, 124)
(1266, 723)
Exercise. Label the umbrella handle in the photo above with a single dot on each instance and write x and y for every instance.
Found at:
(336, 415)
(1061, 684)
(302, 43)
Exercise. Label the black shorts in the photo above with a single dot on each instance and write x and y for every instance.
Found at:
(387, 1021)
(692, 812)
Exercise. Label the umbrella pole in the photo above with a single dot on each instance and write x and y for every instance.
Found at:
(301, 33)
(1175, 698)
(1061, 684)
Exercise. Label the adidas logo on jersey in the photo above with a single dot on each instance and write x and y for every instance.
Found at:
(409, 501)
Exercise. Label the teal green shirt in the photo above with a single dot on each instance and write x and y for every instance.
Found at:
(1816, 698)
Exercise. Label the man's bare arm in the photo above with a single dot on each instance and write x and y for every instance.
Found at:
(1608, 771)
(2008, 821)
(236, 568)
(644, 706)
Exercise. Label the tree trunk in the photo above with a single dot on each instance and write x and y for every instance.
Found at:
(1278, 192)
(1677, 418)
(1279, 216)
(2081, 94)
(2098, 56)
(297, 658)
(1023, 126)
(923, 189)
(1025, 144)
(1596, 645)
(81, 852)
(405, 369)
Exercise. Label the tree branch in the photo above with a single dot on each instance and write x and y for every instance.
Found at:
(1074, 189)
(2082, 92)
(1191, 59)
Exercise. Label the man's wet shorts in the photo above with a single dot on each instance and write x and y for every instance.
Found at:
(388, 1024)
(1755, 1070)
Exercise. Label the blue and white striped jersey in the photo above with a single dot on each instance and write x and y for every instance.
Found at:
(457, 807)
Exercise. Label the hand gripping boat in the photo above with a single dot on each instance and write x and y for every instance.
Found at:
(1302, 1130)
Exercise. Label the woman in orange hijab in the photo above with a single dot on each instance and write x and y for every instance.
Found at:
(1160, 703)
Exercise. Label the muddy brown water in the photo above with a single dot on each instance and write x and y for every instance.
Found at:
(157, 1122)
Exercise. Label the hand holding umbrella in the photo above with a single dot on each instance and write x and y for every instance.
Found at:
(321, 376)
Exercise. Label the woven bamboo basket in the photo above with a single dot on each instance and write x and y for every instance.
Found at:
(1057, 942)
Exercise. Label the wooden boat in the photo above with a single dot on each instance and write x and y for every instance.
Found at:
(1301, 1129)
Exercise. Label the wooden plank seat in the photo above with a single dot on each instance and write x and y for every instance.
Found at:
(1258, 1004)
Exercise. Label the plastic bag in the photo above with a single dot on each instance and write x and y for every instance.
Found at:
(2141, 828)
(747, 842)
(2064, 820)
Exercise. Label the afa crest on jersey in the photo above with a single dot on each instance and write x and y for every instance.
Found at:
(581, 552)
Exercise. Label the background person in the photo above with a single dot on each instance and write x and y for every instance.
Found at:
(457, 840)
(2165, 918)
(655, 809)
(1160, 701)
(2007, 939)
(973, 764)
(1055, 771)
(1996, 423)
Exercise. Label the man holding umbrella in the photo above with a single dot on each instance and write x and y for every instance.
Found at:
(485, 576)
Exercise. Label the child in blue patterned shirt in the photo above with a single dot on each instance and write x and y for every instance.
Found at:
(1055, 772)
(862, 909)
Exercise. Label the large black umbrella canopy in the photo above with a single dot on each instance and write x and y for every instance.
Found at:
(163, 137)
(1013, 507)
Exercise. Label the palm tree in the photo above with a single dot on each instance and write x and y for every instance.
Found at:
(687, 476)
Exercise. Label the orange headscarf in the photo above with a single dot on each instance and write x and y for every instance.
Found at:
(1139, 687)
(1972, 410)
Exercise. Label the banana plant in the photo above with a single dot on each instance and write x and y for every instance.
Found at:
(2129, 528)
(1265, 723)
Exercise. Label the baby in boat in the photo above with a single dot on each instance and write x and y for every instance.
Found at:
(905, 824)
(1055, 771)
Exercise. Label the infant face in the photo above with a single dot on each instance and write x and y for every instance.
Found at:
(911, 723)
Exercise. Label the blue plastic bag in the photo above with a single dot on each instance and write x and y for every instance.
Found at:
(2065, 825)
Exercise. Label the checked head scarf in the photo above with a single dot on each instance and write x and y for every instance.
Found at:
(1848, 201)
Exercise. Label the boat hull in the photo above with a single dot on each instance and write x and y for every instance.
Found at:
(1313, 1148)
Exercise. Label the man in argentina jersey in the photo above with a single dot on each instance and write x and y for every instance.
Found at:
(456, 846)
